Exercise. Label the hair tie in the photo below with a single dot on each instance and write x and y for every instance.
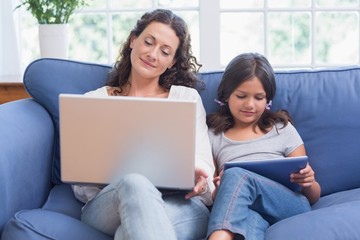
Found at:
(219, 102)
(268, 105)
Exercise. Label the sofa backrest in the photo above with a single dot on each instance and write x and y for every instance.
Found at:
(325, 105)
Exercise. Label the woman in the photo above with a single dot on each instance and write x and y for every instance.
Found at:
(155, 61)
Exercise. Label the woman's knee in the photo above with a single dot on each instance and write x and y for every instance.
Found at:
(134, 184)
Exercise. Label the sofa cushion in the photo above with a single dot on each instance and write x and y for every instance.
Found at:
(330, 223)
(324, 104)
(325, 107)
(61, 199)
(208, 93)
(337, 198)
(41, 224)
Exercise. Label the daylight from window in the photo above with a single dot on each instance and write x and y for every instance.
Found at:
(291, 33)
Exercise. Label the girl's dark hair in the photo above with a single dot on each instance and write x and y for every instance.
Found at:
(183, 72)
(240, 69)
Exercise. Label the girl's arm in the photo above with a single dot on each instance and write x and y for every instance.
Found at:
(306, 178)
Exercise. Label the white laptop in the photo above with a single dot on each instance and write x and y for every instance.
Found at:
(103, 138)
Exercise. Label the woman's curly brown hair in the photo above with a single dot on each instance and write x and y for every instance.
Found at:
(183, 72)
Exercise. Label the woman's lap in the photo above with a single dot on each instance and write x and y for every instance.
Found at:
(146, 209)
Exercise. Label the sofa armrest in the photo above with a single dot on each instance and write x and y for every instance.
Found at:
(26, 151)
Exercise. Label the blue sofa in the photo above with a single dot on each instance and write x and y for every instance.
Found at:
(34, 204)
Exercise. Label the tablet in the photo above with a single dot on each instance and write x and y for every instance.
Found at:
(278, 169)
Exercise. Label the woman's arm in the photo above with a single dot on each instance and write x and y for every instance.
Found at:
(204, 161)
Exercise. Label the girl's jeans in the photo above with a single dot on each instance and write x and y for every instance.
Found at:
(246, 203)
(133, 208)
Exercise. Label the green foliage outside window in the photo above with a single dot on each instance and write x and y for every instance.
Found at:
(52, 11)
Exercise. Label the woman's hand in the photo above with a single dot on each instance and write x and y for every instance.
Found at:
(201, 185)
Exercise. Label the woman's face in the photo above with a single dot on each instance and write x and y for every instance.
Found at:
(247, 102)
(153, 51)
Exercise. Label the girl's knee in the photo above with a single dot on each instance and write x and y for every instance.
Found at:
(235, 172)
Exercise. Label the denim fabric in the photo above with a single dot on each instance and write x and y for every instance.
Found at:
(133, 208)
(246, 203)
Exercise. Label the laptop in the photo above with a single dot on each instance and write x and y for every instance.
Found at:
(278, 169)
(104, 138)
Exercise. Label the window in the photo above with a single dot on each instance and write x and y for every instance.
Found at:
(291, 33)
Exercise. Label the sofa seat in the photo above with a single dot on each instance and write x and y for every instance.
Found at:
(336, 222)
(330, 216)
(34, 224)
(62, 211)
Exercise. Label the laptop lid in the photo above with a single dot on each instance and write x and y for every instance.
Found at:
(104, 138)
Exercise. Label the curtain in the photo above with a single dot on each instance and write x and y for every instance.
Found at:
(10, 64)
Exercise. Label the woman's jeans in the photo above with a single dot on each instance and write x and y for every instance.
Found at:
(133, 208)
(246, 203)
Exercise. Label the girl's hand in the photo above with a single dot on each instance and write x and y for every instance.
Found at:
(201, 185)
(216, 181)
(305, 177)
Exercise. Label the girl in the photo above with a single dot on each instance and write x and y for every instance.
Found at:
(245, 128)
(155, 61)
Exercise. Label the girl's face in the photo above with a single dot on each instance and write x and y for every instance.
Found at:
(153, 51)
(247, 102)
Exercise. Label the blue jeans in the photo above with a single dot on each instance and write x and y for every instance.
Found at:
(247, 203)
(133, 208)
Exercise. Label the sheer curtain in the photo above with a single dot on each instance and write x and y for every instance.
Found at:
(10, 64)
